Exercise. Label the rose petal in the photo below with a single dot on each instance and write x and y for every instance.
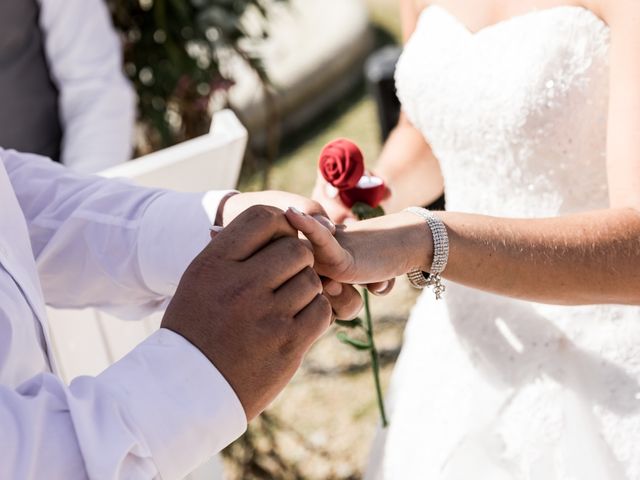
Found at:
(371, 196)
(341, 164)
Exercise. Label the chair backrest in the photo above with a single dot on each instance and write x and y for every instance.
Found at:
(85, 342)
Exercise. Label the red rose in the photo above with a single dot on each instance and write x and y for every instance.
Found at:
(371, 191)
(341, 164)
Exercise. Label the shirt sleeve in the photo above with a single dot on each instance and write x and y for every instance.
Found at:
(107, 243)
(97, 102)
(160, 412)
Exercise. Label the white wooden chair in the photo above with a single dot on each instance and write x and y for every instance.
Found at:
(85, 342)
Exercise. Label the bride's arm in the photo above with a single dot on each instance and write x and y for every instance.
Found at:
(623, 140)
(589, 258)
(406, 163)
(409, 168)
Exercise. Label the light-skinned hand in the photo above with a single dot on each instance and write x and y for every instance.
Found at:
(368, 251)
(336, 210)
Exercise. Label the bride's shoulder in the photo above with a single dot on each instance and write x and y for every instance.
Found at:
(409, 12)
(416, 5)
(615, 12)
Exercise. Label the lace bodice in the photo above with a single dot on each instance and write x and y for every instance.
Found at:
(516, 113)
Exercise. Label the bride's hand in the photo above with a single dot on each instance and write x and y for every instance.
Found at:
(369, 251)
(334, 207)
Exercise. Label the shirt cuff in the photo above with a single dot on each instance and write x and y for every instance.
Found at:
(177, 399)
(174, 230)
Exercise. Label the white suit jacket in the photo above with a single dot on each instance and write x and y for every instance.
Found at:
(74, 241)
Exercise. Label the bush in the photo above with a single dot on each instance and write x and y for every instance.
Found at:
(175, 52)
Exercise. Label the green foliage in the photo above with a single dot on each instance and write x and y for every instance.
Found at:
(364, 212)
(355, 343)
(355, 323)
(174, 51)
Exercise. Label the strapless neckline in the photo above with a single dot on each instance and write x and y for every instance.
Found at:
(516, 114)
(511, 21)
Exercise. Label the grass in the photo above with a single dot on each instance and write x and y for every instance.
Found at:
(353, 117)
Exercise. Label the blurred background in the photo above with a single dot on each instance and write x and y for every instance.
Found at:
(298, 73)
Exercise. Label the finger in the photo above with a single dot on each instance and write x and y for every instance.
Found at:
(382, 288)
(214, 231)
(328, 224)
(346, 216)
(311, 207)
(347, 304)
(252, 230)
(298, 292)
(322, 240)
(281, 260)
(314, 319)
(338, 212)
(387, 194)
(332, 287)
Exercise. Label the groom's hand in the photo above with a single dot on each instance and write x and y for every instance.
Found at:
(345, 300)
(252, 304)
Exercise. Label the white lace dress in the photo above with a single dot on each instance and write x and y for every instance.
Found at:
(487, 387)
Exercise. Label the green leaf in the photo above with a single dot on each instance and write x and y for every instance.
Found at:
(356, 322)
(357, 344)
(364, 211)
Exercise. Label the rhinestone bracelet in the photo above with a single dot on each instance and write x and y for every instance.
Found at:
(433, 278)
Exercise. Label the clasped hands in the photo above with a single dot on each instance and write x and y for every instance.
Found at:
(258, 296)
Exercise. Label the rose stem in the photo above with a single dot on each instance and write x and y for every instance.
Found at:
(374, 359)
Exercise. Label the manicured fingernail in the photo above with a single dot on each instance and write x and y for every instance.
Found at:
(328, 224)
(382, 288)
(296, 211)
(215, 228)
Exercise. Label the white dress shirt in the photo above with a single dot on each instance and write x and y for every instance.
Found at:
(97, 103)
(76, 241)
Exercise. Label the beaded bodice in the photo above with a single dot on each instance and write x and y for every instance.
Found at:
(516, 113)
(488, 386)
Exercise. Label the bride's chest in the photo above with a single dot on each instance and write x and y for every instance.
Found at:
(519, 79)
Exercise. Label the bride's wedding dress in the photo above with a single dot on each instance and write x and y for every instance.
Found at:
(488, 387)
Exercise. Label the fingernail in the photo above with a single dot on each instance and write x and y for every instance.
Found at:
(296, 211)
(383, 287)
(215, 228)
(333, 288)
(328, 224)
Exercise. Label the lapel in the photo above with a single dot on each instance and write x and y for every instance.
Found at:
(16, 254)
